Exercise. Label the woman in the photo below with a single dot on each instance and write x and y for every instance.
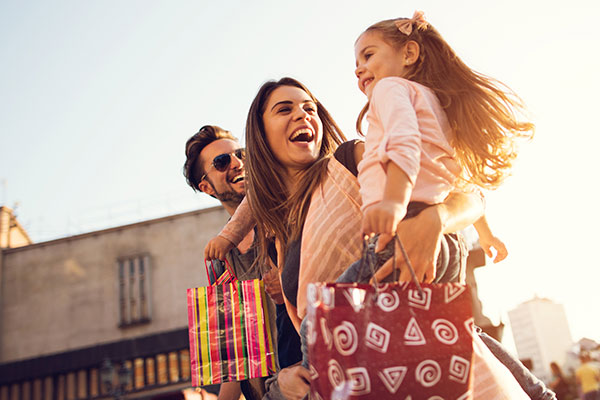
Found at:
(290, 139)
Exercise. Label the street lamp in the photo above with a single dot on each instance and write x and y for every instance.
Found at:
(107, 375)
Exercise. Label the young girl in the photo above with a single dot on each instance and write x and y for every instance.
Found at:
(433, 124)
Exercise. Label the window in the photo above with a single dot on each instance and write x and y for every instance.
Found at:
(134, 289)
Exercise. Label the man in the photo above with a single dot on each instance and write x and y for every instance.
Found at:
(588, 377)
(215, 165)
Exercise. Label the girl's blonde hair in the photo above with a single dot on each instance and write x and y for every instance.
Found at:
(481, 110)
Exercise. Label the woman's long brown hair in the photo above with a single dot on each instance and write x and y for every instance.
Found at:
(278, 213)
(481, 111)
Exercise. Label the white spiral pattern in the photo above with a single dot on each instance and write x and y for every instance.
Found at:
(416, 300)
(312, 295)
(313, 372)
(335, 374)
(470, 326)
(453, 291)
(315, 395)
(466, 396)
(413, 336)
(327, 299)
(377, 338)
(359, 381)
(311, 333)
(459, 369)
(326, 333)
(445, 331)
(392, 377)
(428, 373)
(345, 338)
(388, 302)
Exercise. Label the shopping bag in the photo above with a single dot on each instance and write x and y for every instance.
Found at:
(390, 341)
(229, 332)
(222, 274)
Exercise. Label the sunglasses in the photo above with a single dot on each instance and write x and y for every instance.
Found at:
(222, 161)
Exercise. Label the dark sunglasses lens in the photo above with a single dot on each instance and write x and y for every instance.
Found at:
(240, 153)
(221, 162)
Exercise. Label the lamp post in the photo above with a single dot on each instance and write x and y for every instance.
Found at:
(107, 376)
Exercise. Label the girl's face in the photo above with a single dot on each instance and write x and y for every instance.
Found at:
(376, 59)
(293, 129)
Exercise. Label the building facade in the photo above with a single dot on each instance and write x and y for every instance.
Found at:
(541, 334)
(118, 294)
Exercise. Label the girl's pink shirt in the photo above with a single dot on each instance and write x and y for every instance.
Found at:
(408, 127)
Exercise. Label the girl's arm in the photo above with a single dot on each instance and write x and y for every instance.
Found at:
(487, 240)
(240, 224)
(384, 216)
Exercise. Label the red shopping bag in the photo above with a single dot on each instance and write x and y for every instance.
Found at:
(390, 341)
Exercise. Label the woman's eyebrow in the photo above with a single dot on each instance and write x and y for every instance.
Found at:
(281, 102)
(291, 102)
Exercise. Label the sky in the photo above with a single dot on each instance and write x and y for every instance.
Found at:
(97, 99)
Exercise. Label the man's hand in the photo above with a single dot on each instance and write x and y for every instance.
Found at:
(217, 248)
(294, 382)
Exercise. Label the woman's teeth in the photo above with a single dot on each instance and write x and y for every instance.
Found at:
(302, 135)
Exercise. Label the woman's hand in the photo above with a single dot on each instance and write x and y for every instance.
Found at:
(294, 382)
(421, 237)
(217, 248)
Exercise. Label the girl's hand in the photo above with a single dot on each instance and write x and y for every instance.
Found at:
(383, 217)
(294, 382)
(217, 248)
(489, 242)
(421, 238)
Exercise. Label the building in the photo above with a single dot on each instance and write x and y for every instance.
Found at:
(541, 334)
(118, 294)
(69, 305)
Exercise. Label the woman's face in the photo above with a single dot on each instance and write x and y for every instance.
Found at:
(293, 129)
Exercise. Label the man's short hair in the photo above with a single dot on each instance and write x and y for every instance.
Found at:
(192, 168)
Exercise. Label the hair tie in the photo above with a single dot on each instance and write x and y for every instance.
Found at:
(406, 25)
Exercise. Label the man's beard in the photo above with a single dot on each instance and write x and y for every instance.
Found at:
(230, 197)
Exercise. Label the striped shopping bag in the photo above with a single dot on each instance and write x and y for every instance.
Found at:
(230, 335)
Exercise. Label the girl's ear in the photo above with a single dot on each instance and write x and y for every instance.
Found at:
(412, 50)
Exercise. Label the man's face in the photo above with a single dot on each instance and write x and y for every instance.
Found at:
(227, 185)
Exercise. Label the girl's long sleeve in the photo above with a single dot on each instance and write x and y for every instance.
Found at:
(240, 224)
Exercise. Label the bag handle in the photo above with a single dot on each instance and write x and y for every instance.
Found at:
(368, 258)
(227, 269)
(410, 267)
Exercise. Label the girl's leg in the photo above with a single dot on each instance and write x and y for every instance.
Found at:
(304, 345)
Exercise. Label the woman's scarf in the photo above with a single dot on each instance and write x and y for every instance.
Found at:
(331, 238)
